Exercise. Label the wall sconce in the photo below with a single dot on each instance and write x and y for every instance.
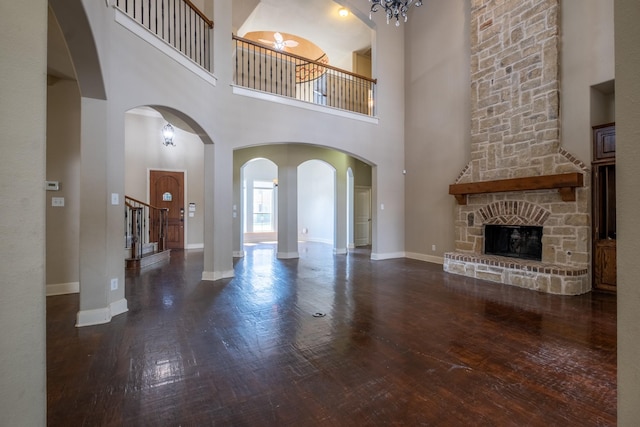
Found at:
(167, 134)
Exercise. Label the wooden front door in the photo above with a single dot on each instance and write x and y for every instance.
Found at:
(166, 190)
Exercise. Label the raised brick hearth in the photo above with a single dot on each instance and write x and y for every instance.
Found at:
(515, 133)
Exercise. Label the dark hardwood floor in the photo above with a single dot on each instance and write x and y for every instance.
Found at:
(395, 342)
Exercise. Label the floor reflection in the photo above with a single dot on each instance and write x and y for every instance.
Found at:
(400, 343)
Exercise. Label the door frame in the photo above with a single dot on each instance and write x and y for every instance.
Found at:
(184, 201)
(370, 192)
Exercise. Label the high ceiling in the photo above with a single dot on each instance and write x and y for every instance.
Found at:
(315, 20)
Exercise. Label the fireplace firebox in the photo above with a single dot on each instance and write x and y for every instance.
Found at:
(516, 241)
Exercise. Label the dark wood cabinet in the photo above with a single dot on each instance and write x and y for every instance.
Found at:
(604, 140)
(604, 207)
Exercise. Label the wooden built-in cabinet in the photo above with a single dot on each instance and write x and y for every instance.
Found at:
(604, 207)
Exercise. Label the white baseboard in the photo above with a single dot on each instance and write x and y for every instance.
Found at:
(100, 316)
(287, 255)
(351, 246)
(239, 254)
(96, 316)
(195, 246)
(389, 255)
(306, 238)
(340, 251)
(118, 307)
(63, 288)
(428, 258)
(267, 236)
(212, 276)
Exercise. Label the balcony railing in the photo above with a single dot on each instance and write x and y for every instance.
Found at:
(177, 22)
(269, 70)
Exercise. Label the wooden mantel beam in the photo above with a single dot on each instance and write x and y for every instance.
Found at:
(566, 184)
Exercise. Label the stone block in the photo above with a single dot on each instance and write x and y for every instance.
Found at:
(464, 247)
(562, 231)
(578, 219)
(563, 208)
(580, 258)
(543, 283)
(556, 285)
(455, 267)
(575, 285)
(491, 276)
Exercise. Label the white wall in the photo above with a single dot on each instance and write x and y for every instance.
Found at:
(23, 28)
(316, 202)
(586, 59)
(437, 123)
(627, 51)
(63, 166)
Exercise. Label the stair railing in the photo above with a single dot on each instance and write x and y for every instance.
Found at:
(144, 224)
(178, 22)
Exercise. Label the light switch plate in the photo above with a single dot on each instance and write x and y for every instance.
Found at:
(52, 185)
(57, 202)
(115, 199)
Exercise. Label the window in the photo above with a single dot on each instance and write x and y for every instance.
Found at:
(263, 206)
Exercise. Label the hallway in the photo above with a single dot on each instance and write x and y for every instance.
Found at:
(332, 340)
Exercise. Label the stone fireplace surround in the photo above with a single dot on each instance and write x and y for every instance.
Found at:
(515, 133)
(564, 268)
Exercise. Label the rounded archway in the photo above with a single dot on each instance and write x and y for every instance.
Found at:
(258, 211)
(294, 196)
(317, 202)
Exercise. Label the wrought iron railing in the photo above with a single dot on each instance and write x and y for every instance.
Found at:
(144, 224)
(269, 70)
(177, 22)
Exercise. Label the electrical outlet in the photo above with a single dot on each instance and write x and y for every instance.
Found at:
(433, 248)
(114, 284)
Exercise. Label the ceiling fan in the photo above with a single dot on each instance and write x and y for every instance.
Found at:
(278, 42)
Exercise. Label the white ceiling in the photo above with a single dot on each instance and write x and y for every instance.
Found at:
(315, 20)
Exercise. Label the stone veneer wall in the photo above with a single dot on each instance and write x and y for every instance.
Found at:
(515, 132)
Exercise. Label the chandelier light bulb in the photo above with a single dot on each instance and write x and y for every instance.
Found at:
(393, 8)
(167, 134)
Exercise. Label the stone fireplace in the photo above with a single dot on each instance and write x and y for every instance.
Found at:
(518, 168)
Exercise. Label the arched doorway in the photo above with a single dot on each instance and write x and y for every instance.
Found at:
(259, 207)
(317, 202)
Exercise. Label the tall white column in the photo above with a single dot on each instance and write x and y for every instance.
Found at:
(340, 239)
(287, 212)
(209, 212)
(218, 224)
(101, 214)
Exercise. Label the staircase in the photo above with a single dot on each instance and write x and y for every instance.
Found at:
(145, 234)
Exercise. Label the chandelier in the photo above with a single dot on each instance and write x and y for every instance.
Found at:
(393, 8)
(167, 135)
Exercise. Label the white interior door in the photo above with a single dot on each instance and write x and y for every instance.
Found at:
(362, 216)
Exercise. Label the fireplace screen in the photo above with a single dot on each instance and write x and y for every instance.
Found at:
(517, 241)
